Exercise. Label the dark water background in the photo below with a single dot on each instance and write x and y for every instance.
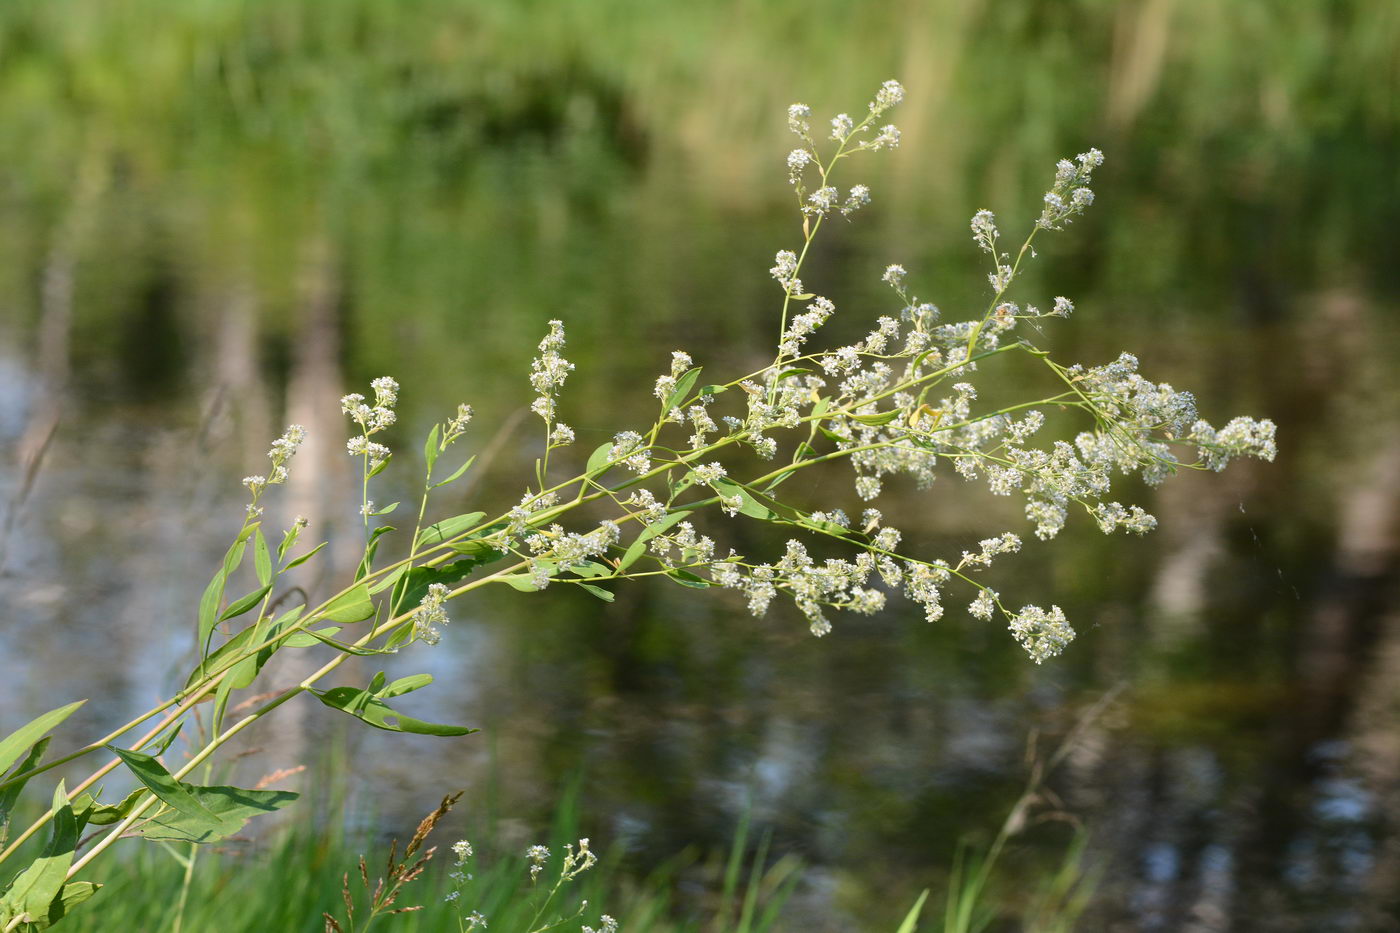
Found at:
(217, 217)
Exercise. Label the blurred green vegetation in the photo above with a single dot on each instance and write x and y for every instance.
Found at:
(493, 163)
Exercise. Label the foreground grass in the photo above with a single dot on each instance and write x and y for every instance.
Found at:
(291, 879)
(288, 881)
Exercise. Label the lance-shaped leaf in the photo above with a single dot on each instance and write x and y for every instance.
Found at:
(230, 807)
(639, 546)
(457, 473)
(683, 386)
(214, 592)
(368, 708)
(162, 783)
(439, 532)
(35, 888)
(15, 744)
(352, 606)
(598, 460)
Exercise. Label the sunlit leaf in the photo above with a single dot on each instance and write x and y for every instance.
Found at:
(438, 532)
(162, 783)
(229, 807)
(35, 888)
(457, 473)
(15, 744)
(352, 606)
(683, 386)
(243, 605)
(370, 709)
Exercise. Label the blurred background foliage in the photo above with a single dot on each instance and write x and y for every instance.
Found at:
(219, 215)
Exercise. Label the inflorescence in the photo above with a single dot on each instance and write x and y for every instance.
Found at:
(899, 406)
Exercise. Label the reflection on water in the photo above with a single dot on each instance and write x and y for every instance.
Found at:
(188, 274)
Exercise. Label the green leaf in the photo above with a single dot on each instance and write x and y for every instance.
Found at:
(523, 582)
(598, 460)
(262, 558)
(591, 568)
(214, 592)
(373, 711)
(152, 773)
(383, 465)
(605, 595)
(169, 739)
(638, 547)
(386, 510)
(35, 888)
(686, 578)
(749, 503)
(107, 814)
(10, 794)
(247, 602)
(807, 297)
(712, 390)
(456, 474)
(830, 528)
(430, 448)
(324, 636)
(352, 606)
(247, 669)
(73, 894)
(388, 580)
(304, 638)
(683, 386)
(229, 808)
(795, 371)
(209, 607)
(438, 532)
(297, 562)
(879, 418)
(289, 537)
(911, 919)
(414, 585)
(404, 685)
(22, 738)
(479, 549)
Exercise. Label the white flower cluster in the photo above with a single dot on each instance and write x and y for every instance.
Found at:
(426, 619)
(785, 271)
(372, 419)
(538, 855)
(665, 385)
(836, 583)
(577, 861)
(521, 517)
(1043, 634)
(1070, 195)
(555, 549)
(606, 924)
(682, 548)
(803, 325)
(800, 120)
(548, 372)
(630, 448)
(454, 428)
(281, 453)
